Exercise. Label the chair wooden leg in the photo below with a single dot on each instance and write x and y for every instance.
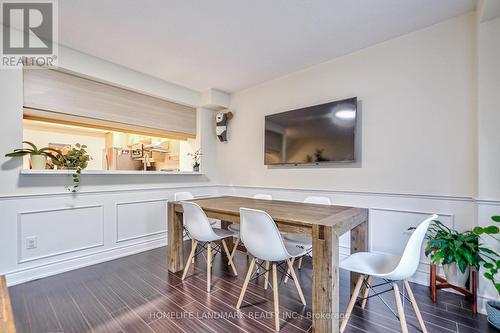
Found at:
(415, 306)
(229, 256)
(401, 311)
(266, 275)
(366, 292)
(285, 280)
(209, 266)
(193, 246)
(300, 263)
(190, 259)
(245, 284)
(354, 296)
(297, 284)
(235, 246)
(276, 300)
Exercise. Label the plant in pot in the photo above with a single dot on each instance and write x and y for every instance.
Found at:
(38, 156)
(456, 251)
(196, 159)
(76, 159)
(491, 264)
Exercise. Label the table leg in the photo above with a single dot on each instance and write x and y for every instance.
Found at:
(175, 240)
(325, 290)
(229, 241)
(359, 243)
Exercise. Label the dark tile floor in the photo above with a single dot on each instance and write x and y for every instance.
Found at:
(137, 294)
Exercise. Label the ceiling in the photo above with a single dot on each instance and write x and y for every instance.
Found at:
(234, 44)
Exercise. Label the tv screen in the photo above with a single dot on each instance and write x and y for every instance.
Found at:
(315, 134)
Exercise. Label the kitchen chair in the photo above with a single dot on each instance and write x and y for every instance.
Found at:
(183, 196)
(262, 196)
(304, 240)
(263, 240)
(200, 230)
(235, 227)
(391, 269)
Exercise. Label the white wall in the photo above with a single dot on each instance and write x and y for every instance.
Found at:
(418, 115)
(489, 109)
(489, 133)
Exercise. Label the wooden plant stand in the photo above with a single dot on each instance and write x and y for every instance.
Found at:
(438, 282)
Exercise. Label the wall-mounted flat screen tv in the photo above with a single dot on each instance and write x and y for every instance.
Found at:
(312, 135)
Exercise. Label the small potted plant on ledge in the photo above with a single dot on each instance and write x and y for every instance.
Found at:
(76, 159)
(196, 160)
(38, 157)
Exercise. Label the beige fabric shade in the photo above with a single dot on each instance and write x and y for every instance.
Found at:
(67, 98)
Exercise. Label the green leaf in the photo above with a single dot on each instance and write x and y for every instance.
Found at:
(462, 265)
(496, 218)
(497, 286)
(478, 230)
(18, 153)
(488, 265)
(468, 256)
(488, 276)
(31, 144)
(437, 256)
(491, 230)
(487, 250)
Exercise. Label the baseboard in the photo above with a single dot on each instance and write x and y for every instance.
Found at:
(25, 275)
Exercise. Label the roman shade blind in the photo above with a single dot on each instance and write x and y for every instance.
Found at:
(64, 97)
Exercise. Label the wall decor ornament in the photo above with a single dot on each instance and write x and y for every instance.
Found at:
(221, 120)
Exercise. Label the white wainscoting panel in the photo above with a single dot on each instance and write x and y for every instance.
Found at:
(79, 228)
(389, 229)
(138, 219)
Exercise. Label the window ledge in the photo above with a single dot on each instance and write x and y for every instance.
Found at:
(106, 172)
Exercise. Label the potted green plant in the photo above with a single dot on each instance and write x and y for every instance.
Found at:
(196, 160)
(456, 251)
(38, 156)
(75, 159)
(491, 265)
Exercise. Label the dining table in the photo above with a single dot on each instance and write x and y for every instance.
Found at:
(325, 224)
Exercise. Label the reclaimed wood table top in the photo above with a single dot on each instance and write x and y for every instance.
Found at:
(280, 211)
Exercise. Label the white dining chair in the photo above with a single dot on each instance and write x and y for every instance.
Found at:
(263, 240)
(262, 196)
(235, 227)
(200, 230)
(391, 269)
(304, 240)
(183, 196)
